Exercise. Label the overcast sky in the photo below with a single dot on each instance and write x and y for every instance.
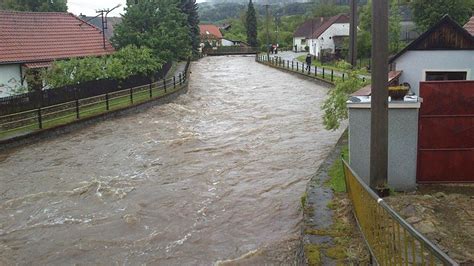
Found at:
(88, 7)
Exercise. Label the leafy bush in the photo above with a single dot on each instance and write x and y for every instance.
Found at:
(335, 108)
(127, 62)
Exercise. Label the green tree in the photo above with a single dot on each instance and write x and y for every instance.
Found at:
(428, 12)
(190, 8)
(251, 25)
(328, 9)
(35, 5)
(364, 36)
(157, 24)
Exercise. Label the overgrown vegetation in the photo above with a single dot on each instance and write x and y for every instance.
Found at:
(334, 106)
(127, 62)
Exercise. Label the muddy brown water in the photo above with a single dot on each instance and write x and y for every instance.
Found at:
(215, 176)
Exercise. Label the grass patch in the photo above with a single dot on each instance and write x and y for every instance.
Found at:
(303, 200)
(337, 181)
(330, 65)
(313, 254)
(336, 252)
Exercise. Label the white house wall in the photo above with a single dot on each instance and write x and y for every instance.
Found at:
(326, 40)
(297, 42)
(415, 64)
(226, 42)
(10, 78)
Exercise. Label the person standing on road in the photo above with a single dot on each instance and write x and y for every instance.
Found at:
(308, 62)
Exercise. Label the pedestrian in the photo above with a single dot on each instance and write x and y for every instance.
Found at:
(296, 48)
(308, 62)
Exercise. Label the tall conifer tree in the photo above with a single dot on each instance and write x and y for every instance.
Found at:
(251, 25)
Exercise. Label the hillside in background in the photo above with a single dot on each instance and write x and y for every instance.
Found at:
(218, 12)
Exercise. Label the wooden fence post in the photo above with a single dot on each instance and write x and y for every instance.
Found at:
(107, 101)
(180, 79)
(343, 74)
(297, 66)
(40, 120)
(131, 95)
(332, 75)
(77, 109)
(323, 73)
(292, 65)
(150, 87)
(302, 67)
(174, 82)
(164, 84)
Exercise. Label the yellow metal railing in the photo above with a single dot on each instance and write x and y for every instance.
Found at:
(390, 239)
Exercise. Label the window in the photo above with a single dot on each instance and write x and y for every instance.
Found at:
(446, 75)
(303, 41)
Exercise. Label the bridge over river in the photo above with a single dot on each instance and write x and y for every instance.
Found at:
(216, 175)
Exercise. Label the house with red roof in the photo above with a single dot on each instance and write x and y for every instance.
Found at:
(322, 34)
(210, 34)
(30, 41)
(470, 26)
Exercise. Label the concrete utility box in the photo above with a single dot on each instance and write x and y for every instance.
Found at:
(402, 141)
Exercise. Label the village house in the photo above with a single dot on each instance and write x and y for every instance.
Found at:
(322, 34)
(470, 26)
(210, 34)
(31, 41)
(444, 52)
(430, 128)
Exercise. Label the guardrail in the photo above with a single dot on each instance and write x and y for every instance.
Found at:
(51, 116)
(321, 73)
(390, 239)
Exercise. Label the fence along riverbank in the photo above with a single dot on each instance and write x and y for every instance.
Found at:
(390, 239)
(42, 118)
(323, 74)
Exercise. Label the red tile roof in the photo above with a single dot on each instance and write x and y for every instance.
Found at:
(470, 26)
(313, 28)
(207, 29)
(41, 37)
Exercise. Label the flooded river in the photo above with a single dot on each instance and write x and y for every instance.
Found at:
(215, 176)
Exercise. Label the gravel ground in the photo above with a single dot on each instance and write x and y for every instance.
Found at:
(444, 214)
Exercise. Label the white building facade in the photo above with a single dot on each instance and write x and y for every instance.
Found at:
(318, 34)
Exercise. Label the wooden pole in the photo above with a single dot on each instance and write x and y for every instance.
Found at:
(379, 102)
(353, 34)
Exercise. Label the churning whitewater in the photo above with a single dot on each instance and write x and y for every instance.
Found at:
(215, 176)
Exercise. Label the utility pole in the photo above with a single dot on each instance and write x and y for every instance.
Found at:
(103, 13)
(268, 30)
(353, 34)
(379, 102)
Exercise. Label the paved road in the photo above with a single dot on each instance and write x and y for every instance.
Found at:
(292, 56)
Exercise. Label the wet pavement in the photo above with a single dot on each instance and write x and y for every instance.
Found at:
(215, 176)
